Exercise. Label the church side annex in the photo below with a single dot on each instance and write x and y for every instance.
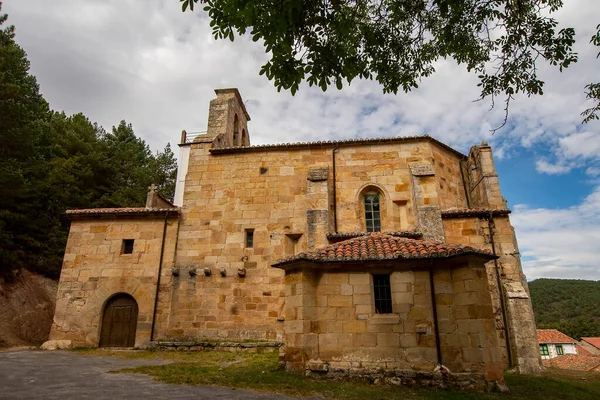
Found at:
(390, 254)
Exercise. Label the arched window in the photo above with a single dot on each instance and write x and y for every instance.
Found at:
(372, 212)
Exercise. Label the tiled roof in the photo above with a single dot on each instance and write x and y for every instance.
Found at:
(380, 246)
(473, 212)
(331, 143)
(350, 235)
(594, 341)
(122, 211)
(582, 351)
(573, 362)
(553, 336)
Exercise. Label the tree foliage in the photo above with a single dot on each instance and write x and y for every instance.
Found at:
(398, 42)
(51, 162)
(593, 89)
(571, 306)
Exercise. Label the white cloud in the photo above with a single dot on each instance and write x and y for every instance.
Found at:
(545, 167)
(582, 144)
(151, 64)
(560, 243)
(154, 66)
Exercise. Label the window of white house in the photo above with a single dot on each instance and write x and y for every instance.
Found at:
(383, 294)
(559, 350)
(372, 212)
(544, 350)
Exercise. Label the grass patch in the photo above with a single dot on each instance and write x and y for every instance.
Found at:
(259, 372)
(191, 356)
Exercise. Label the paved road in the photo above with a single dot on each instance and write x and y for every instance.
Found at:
(64, 375)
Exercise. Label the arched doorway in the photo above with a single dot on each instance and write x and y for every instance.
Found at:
(119, 322)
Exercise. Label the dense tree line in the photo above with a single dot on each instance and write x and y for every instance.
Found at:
(51, 162)
(571, 306)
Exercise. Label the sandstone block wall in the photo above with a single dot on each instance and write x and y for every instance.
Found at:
(94, 269)
(330, 319)
(285, 196)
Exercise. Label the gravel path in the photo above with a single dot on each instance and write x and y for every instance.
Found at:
(64, 375)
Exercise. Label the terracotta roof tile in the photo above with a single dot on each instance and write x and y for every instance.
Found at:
(121, 211)
(594, 341)
(350, 235)
(381, 246)
(473, 212)
(573, 362)
(582, 351)
(553, 336)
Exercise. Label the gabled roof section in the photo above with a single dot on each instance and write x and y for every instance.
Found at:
(573, 362)
(333, 143)
(126, 212)
(594, 341)
(380, 246)
(553, 336)
(582, 351)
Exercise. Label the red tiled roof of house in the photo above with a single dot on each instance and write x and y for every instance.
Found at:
(380, 246)
(594, 341)
(582, 350)
(573, 362)
(473, 212)
(122, 211)
(553, 336)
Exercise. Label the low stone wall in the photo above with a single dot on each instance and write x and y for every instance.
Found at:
(401, 377)
(234, 347)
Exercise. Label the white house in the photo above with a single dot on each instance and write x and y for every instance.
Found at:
(554, 343)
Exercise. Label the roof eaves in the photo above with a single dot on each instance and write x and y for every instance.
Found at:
(350, 235)
(331, 143)
(120, 212)
(474, 212)
(438, 256)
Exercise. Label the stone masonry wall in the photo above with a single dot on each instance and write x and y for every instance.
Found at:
(483, 189)
(336, 310)
(94, 270)
(270, 193)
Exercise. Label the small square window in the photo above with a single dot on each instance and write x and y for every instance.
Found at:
(127, 247)
(559, 350)
(544, 350)
(249, 238)
(383, 294)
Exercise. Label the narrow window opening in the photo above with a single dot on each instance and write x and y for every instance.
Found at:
(236, 131)
(383, 294)
(372, 212)
(249, 238)
(559, 350)
(127, 247)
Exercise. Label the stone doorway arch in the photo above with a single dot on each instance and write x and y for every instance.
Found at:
(119, 321)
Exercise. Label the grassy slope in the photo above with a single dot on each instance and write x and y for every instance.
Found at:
(259, 372)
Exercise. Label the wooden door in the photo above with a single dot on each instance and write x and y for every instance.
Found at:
(119, 322)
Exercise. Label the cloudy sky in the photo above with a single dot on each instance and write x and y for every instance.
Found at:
(148, 63)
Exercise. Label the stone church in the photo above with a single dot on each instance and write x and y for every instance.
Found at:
(388, 254)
